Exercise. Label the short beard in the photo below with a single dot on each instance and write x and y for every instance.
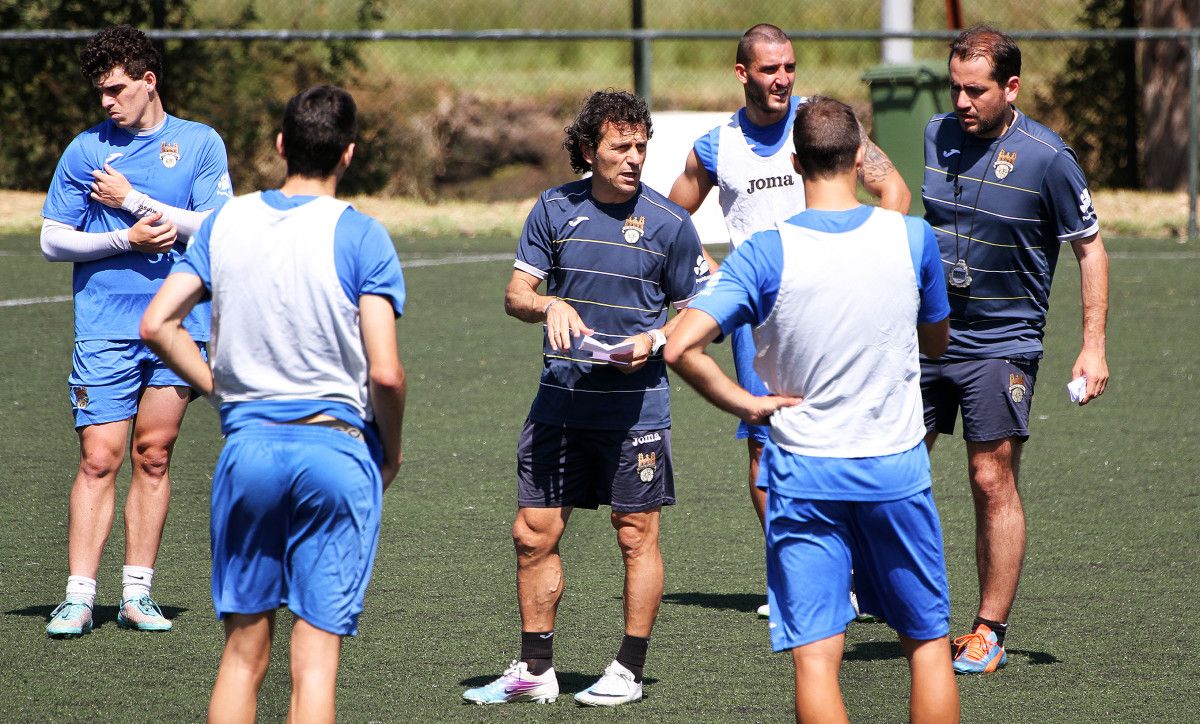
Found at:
(759, 99)
(983, 129)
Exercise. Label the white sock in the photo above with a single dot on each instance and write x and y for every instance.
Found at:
(135, 582)
(81, 588)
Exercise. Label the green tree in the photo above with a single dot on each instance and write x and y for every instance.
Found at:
(1094, 101)
(238, 88)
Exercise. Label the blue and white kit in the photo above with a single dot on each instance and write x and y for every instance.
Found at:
(285, 275)
(834, 298)
(180, 163)
(758, 188)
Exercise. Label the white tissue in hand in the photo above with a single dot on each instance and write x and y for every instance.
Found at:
(1077, 388)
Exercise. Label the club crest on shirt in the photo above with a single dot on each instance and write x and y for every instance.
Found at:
(169, 154)
(79, 396)
(645, 466)
(1016, 387)
(634, 229)
(1005, 162)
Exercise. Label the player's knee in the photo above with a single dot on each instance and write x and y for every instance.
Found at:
(248, 660)
(531, 542)
(636, 542)
(151, 461)
(991, 483)
(99, 467)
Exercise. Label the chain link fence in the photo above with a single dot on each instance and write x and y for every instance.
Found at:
(692, 74)
(468, 98)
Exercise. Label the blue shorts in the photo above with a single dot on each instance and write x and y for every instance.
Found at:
(894, 548)
(995, 396)
(565, 467)
(743, 364)
(295, 522)
(108, 377)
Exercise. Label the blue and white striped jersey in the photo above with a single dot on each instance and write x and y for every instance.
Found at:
(619, 266)
(1004, 206)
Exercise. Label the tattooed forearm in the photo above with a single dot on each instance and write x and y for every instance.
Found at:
(876, 165)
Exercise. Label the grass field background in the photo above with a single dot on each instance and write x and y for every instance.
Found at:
(1102, 629)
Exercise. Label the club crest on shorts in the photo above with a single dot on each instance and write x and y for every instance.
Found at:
(1005, 162)
(645, 466)
(80, 397)
(1016, 387)
(634, 229)
(169, 154)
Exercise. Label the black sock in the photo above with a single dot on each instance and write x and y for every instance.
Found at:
(998, 628)
(632, 655)
(537, 651)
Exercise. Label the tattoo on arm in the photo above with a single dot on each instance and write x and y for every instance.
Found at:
(876, 165)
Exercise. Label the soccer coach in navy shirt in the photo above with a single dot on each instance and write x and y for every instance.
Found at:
(613, 255)
(1003, 194)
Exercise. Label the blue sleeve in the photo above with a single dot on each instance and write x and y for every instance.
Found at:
(366, 260)
(534, 247)
(744, 289)
(706, 152)
(211, 187)
(67, 199)
(1067, 200)
(684, 271)
(927, 262)
(197, 260)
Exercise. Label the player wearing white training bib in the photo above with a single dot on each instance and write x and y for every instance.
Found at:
(841, 297)
(749, 160)
(752, 168)
(305, 292)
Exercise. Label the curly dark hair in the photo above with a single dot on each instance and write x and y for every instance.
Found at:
(607, 106)
(120, 45)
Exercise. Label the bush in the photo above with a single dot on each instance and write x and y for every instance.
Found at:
(237, 88)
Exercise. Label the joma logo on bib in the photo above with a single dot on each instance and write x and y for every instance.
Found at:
(770, 182)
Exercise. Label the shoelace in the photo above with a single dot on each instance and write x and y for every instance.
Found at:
(146, 606)
(976, 643)
(69, 610)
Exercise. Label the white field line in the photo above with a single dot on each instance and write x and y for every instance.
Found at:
(29, 301)
(411, 264)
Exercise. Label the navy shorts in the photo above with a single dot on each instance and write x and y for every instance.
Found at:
(565, 467)
(108, 377)
(995, 396)
(742, 341)
(894, 547)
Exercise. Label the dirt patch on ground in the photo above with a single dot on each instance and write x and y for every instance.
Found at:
(1122, 213)
(21, 210)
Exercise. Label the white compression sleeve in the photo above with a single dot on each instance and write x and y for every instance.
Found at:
(61, 242)
(141, 206)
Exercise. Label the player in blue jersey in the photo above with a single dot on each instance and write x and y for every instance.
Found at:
(313, 428)
(840, 298)
(748, 160)
(613, 254)
(122, 243)
(1004, 194)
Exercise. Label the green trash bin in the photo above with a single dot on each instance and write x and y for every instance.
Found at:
(903, 98)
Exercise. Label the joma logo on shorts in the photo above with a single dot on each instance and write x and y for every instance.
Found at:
(652, 437)
(770, 182)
